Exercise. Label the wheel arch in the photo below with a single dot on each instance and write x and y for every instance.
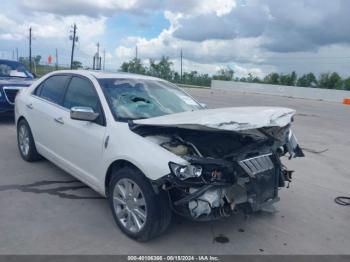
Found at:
(21, 118)
(116, 165)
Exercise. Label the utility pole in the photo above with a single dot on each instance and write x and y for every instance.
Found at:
(74, 39)
(13, 54)
(30, 48)
(181, 65)
(104, 58)
(56, 59)
(97, 59)
(17, 54)
(136, 52)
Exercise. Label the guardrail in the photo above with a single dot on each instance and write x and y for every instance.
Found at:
(192, 86)
(330, 95)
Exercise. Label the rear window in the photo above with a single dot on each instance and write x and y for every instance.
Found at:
(53, 89)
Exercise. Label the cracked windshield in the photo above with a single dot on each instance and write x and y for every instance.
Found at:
(139, 99)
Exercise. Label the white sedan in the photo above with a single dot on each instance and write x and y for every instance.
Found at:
(152, 149)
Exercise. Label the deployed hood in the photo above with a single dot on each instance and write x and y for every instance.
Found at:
(226, 119)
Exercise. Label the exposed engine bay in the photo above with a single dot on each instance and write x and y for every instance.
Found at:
(227, 170)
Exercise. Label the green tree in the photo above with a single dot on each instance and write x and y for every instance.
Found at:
(77, 64)
(226, 74)
(346, 83)
(251, 79)
(133, 66)
(307, 80)
(272, 78)
(161, 69)
(330, 80)
(288, 79)
(37, 59)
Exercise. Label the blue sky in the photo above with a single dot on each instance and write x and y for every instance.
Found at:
(250, 36)
(123, 25)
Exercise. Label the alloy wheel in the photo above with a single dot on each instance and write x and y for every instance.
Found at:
(130, 205)
(23, 139)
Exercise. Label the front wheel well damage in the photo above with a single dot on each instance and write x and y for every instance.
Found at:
(117, 165)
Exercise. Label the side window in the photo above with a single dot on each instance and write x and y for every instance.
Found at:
(53, 88)
(37, 91)
(81, 92)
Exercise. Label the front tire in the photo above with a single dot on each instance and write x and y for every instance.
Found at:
(25, 141)
(138, 211)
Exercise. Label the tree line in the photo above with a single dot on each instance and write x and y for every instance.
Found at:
(163, 69)
(36, 61)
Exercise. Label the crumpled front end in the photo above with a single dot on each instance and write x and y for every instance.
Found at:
(226, 171)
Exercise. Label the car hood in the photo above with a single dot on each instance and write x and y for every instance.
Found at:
(226, 119)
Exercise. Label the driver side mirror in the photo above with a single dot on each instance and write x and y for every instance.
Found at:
(83, 113)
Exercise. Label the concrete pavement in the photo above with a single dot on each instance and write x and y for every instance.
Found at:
(44, 210)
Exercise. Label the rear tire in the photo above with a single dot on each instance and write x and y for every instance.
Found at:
(25, 141)
(132, 198)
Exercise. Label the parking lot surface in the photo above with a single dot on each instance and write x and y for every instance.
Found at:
(44, 210)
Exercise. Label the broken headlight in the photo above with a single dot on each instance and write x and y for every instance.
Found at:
(185, 172)
(292, 146)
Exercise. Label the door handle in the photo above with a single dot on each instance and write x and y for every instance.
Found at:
(59, 120)
(30, 106)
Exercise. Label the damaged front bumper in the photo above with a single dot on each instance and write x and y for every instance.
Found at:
(209, 188)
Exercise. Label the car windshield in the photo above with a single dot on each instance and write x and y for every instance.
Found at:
(14, 69)
(132, 99)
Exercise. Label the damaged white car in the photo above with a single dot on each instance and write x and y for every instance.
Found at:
(152, 149)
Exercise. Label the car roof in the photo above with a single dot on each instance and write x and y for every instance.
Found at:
(107, 75)
(10, 61)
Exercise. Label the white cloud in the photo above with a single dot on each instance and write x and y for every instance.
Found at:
(254, 36)
(53, 30)
(79, 7)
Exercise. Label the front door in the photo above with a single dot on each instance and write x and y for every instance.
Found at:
(82, 143)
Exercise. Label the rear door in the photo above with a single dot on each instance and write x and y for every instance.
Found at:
(44, 110)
